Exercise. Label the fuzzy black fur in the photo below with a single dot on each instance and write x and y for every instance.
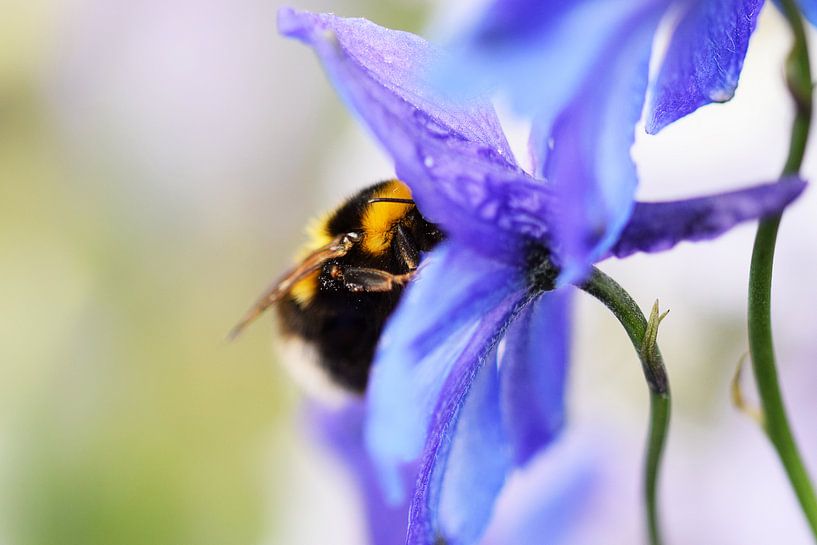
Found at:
(345, 325)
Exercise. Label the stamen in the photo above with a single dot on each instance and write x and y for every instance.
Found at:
(541, 270)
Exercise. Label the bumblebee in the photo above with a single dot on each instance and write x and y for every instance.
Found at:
(349, 280)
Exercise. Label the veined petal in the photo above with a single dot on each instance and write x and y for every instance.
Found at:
(533, 370)
(590, 167)
(342, 431)
(452, 153)
(704, 59)
(490, 209)
(397, 63)
(655, 227)
(478, 462)
(424, 522)
(442, 317)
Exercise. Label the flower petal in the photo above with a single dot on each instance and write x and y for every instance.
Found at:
(533, 370)
(478, 461)
(440, 317)
(555, 494)
(704, 59)
(342, 431)
(655, 227)
(520, 393)
(489, 208)
(529, 50)
(397, 63)
(590, 167)
(424, 524)
(452, 153)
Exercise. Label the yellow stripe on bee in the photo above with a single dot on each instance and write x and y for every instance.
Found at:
(304, 290)
(379, 218)
(317, 234)
(377, 225)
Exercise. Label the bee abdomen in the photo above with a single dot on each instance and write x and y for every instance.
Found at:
(343, 337)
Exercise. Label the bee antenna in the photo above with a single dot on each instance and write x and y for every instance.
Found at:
(390, 199)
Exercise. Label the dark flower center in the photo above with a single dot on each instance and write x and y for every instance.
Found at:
(540, 269)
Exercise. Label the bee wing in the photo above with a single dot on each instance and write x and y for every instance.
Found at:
(337, 248)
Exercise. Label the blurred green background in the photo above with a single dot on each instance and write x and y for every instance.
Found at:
(142, 205)
(158, 161)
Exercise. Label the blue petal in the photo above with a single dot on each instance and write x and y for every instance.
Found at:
(514, 407)
(533, 371)
(356, 52)
(452, 153)
(441, 315)
(424, 525)
(538, 53)
(505, 21)
(491, 209)
(342, 431)
(704, 59)
(478, 462)
(590, 167)
(552, 499)
(655, 227)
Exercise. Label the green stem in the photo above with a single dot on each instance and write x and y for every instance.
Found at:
(800, 85)
(798, 79)
(643, 335)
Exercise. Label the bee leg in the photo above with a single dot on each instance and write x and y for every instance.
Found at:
(372, 280)
(405, 248)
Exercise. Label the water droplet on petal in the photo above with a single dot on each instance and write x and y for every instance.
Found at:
(428, 161)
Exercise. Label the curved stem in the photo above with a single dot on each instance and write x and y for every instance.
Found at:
(798, 79)
(643, 334)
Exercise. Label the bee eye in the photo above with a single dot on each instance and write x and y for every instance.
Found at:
(353, 237)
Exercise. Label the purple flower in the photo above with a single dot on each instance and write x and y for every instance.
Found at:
(541, 51)
(341, 430)
(470, 374)
(580, 68)
(553, 496)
